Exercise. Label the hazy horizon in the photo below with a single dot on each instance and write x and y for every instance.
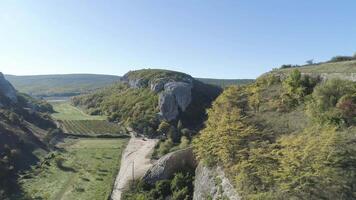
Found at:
(212, 39)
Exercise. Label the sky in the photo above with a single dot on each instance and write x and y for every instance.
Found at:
(204, 38)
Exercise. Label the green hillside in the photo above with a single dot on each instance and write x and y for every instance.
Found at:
(138, 106)
(290, 138)
(60, 85)
(340, 67)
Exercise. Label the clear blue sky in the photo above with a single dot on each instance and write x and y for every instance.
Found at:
(205, 38)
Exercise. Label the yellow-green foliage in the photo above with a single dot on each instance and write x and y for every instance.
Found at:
(134, 107)
(318, 163)
(313, 162)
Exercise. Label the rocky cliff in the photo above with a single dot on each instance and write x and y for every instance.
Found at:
(168, 165)
(174, 90)
(7, 90)
(211, 183)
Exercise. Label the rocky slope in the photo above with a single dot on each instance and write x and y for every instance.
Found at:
(23, 130)
(212, 183)
(7, 90)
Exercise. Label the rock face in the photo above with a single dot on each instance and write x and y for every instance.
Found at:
(213, 184)
(176, 96)
(7, 89)
(170, 164)
(158, 85)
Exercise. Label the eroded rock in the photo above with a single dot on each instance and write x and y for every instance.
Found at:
(168, 165)
(211, 183)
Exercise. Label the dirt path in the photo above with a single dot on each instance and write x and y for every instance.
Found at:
(136, 155)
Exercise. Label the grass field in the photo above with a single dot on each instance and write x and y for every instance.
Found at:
(91, 127)
(65, 111)
(332, 67)
(86, 169)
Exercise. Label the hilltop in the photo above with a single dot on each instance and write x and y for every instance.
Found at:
(145, 98)
(331, 69)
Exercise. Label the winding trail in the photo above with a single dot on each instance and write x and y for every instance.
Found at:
(137, 157)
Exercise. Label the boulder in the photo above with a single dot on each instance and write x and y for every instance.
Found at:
(211, 183)
(168, 165)
(7, 89)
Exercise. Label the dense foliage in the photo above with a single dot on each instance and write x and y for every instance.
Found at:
(180, 187)
(311, 162)
(136, 108)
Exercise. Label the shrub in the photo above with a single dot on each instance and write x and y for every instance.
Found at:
(341, 58)
(184, 142)
(324, 107)
(165, 147)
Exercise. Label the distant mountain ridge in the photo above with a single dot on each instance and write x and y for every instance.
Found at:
(66, 85)
(61, 84)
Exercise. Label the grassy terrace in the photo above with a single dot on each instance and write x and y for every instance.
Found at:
(65, 111)
(85, 169)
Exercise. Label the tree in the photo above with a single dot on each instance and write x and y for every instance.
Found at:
(163, 128)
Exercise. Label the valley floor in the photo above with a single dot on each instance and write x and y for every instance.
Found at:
(83, 165)
(135, 162)
(85, 169)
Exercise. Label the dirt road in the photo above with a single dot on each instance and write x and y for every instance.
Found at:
(136, 158)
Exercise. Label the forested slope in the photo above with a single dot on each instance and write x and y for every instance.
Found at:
(284, 138)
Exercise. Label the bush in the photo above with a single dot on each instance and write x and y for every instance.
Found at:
(165, 147)
(341, 58)
(330, 99)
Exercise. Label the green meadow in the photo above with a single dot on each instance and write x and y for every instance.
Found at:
(65, 111)
(82, 169)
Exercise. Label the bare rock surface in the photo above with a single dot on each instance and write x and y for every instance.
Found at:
(211, 183)
(170, 164)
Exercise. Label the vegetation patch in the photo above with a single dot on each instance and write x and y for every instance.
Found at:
(82, 169)
(180, 187)
(94, 128)
(65, 111)
(254, 133)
